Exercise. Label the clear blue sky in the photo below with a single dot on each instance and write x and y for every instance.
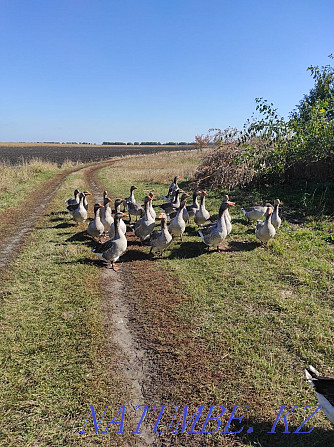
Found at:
(153, 70)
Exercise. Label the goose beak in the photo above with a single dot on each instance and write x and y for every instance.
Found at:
(124, 215)
(136, 187)
(122, 200)
(231, 203)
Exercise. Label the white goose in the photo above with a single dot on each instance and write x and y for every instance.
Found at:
(275, 219)
(113, 249)
(265, 230)
(145, 225)
(122, 225)
(106, 216)
(95, 227)
(214, 234)
(202, 214)
(79, 213)
(161, 239)
(177, 225)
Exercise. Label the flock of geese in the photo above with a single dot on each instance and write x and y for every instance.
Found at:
(174, 216)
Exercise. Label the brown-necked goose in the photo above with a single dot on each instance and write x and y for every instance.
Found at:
(177, 225)
(95, 227)
(214, 234)
(122, 225)
(275, 219)
(145, 225)
(113, 249)
(324, 388)
(202, 214)
(265, 230)
(161, 239)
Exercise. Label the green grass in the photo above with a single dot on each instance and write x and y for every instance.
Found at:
(258, 315)
(232, 328)
(53, 350)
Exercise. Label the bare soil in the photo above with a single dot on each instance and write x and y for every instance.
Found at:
(84, 153)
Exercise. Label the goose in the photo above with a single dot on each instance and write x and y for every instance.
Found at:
(265, 230)
(105, 197)
(152, 211)
(185, 211)
(134, 209)
(194, 206)
(145, 225)
(79, 212)
(275, 219)
(161, 239)
(106, 216)
(214, 234)
(131, 197)
(213, 218)
(172, 189)
(122, 225)
(75, 200)
(170, 207)
(255, 212)
(111, 250)
(87, 193)
(202, 214)
(104, 201)
(95, 227)
(177, 225)
(324, 388)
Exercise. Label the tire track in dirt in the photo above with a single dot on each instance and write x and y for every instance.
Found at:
(134, 364)
(17, 223)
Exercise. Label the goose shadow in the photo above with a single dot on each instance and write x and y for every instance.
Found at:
(187, 250)
(82, 236)
(191, 231)
(233, 246)
(58, 213)
(64, 225)
(57, 219)
(88, 261)
(134, 255)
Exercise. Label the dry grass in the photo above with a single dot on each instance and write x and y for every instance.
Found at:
(11, 176)
(160, 168)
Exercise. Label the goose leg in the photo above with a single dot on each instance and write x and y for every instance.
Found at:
(115, 267)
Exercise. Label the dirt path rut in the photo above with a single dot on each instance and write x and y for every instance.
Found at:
(117, 313)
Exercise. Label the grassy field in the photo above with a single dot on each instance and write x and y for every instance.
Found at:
(252, 318)
(231, 328)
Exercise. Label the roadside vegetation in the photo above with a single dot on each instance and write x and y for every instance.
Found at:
(271, 149)
(17, 181)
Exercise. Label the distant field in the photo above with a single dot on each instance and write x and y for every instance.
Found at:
(58, 153)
